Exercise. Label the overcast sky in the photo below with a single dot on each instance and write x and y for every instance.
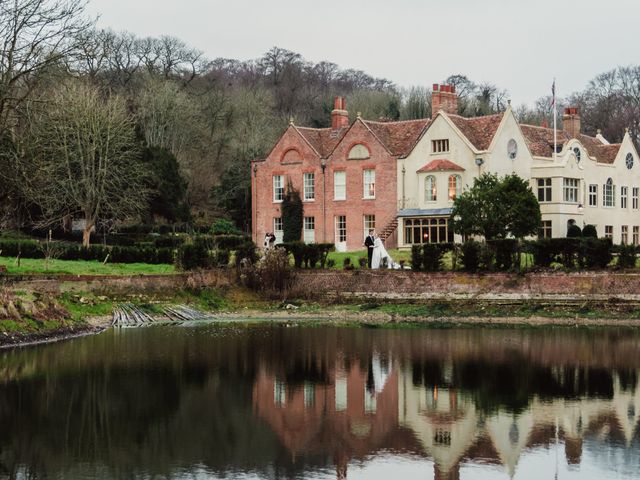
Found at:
(519, 45)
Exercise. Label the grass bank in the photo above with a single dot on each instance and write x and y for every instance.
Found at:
(83, 267)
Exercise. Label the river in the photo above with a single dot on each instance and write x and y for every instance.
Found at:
(277, 401)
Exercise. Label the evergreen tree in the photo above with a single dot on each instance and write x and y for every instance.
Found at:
(292, 215)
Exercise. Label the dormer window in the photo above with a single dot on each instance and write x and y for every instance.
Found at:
(440, 146)
(359, 152)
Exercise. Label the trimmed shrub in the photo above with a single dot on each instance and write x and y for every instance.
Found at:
(331, 263)
(505, 252)
(432, 257)
(297, 249)
(346, 263)
(229, 242)
(324, 249)
(223, 226)
(596, 252)
(192, 256)
(416, 258)
(626, 256)
(589, 231)
(363, 262)
(311, 255)
(574, 231)
(246, 251)
(470, 255)
(221, 258)
(543, 252)
(169, 241)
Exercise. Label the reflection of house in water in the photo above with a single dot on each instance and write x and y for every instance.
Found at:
(451, 429)
(349, 416)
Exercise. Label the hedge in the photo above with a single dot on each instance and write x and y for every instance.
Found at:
(71, 251)
(308, 254)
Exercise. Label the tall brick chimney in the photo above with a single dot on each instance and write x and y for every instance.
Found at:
(339, 115)
(571, 121)
(444, 97)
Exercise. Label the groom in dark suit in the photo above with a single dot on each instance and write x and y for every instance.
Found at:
(369, 242)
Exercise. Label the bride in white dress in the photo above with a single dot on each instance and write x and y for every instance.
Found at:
(379, 254)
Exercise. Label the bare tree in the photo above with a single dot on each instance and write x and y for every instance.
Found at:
(34, 36)
(81, 158)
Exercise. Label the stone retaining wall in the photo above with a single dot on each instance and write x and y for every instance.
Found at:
(113, 284)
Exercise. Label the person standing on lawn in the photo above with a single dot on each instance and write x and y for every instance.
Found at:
(369, 242)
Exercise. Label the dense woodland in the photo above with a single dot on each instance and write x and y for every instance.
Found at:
(109, 127)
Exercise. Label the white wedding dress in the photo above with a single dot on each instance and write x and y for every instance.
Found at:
(379, 254)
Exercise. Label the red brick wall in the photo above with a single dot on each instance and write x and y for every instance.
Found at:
(384, 206)
(407, 284)
(263, 206)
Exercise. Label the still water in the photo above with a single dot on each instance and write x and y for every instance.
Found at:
(270, 401)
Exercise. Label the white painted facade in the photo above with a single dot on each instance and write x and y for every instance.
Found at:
(414, 203)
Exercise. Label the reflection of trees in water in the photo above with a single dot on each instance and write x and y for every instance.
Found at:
(160, 399)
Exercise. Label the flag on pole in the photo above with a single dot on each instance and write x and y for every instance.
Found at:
(553, 93)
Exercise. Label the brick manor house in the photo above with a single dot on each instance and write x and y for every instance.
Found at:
(401, 178)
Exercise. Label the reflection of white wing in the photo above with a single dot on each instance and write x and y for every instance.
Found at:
(381, 371)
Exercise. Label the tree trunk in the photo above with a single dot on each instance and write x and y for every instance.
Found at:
(86, 234)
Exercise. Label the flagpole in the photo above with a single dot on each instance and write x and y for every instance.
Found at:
(555, 121)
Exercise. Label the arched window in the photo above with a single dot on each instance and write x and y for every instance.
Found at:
(609, 193)
(430, 189)
(455, 186)
(359, 152)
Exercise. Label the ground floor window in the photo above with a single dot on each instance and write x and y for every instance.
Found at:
(341, 228)
(278, 229)
(624, 238)
(309, 229)
(636, 235)
(369, 224)
(608, 231)
(545, 229)
(427, 230)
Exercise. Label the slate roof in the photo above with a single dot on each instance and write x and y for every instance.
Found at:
(441, 166)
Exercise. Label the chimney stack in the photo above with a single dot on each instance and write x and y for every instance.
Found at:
(444, 97)
(339, 115)
(571, 121)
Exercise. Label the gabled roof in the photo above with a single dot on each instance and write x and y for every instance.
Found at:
(540, 143)
(398, 137)
(478, 130)
(322, 140)
(441, 166)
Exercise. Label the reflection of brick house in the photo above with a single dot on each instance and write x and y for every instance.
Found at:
(352, 416)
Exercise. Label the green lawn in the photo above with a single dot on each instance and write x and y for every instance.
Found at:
(82, 267)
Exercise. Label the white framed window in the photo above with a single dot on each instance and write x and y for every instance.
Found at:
(340, 185)
(427, 230)
(636, 234)
(369, 224)
(279, 393)
(593, 195)
(624, 234)
(624, 194)
(609, 194)
(341, 394)
(278, 188)
(369, 181)
(545, 229)
(440, 145)
(570, 190)
(341, 228)
(608, 231)
(455, 187)
(634, 198)
(544, 190)
(278, 229)
(309, 186)
(430, 189)
(309, 232)
(370, 404)
(309, 394)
